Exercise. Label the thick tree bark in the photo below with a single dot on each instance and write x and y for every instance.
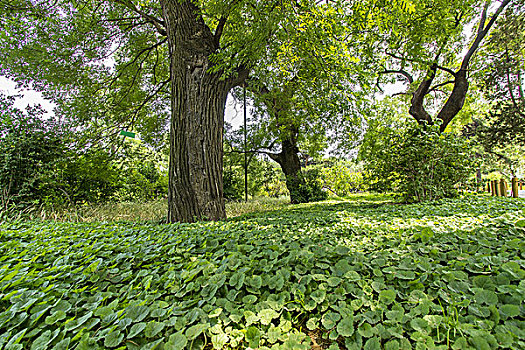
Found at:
(290, 164)
(196, 129)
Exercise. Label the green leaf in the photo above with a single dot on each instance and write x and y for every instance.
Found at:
(484, 296)
(330, 319)
(352, 276)
(55, 317)
(63, 344)
(42, 341)
(113, 339)
(249, 299)
(137, 312)
(176, 341)
(334, 281)
(318, 296)
(136, 329)
(267, 315)
(365, 330)
(153, 328)
(253, 336)
(405, 275)
(510, 310)
(345, 327)
(219, 340)
(372, 344)
(387, 296)
(196, 330)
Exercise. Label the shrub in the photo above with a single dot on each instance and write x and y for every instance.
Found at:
(307, 189)
(342, 179)
(419, 162)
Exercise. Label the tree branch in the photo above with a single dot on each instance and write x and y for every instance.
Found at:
(219, 30)
(399, 71)
(482, 31)
(435, 87)
(157, 23)
(450, 71)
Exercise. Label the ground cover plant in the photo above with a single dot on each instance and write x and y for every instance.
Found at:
(364, 273)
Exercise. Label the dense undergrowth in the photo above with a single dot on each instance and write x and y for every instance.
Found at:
(338, 275)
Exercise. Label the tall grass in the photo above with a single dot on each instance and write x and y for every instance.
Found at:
(134, 211)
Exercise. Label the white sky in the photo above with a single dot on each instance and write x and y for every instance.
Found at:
(31, 97)
(234, 112)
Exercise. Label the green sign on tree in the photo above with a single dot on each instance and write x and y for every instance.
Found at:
(128, 134)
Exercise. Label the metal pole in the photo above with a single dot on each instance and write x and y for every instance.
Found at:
(245, 150)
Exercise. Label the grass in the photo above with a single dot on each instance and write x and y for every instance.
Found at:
(353, 274)
(154, 211)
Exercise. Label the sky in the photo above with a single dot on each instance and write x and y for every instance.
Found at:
(234, 111)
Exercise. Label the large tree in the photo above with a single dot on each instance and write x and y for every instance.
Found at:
(429, 50)
(139, 64)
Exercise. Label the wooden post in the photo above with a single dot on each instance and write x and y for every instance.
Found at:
(515, 193)
(503, 188)
(497, 188)
(488, 187)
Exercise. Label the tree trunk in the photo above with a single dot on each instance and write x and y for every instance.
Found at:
(196, 129)
(290, 164)
(455, 101)
(417, 108)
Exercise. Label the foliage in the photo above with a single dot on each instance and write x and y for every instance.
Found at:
(431, 51)
(309, 186)
(504, 68)
(143, 172)
(350, 274)
(419, 162)
(43, 164)
(343, 178)
(30, 148)
(264, 179)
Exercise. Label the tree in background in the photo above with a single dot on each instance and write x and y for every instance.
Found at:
(430, 43)
(503, 84)
(312, 94)
(30, 147)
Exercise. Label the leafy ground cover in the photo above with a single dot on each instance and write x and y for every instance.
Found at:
(337, 275)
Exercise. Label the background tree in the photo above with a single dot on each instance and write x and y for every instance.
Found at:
(310, 92)
(503, 83)
(431, 43)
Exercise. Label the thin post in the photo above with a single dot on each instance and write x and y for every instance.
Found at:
(515, 193)
(245, 149)
(493, 187)
(497, 187)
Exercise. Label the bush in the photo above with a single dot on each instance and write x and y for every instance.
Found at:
(307, 189)
(342, 179)
(40, 165)
(30, 148)
(419, 162)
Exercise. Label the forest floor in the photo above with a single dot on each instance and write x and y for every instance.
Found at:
(361, 273)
